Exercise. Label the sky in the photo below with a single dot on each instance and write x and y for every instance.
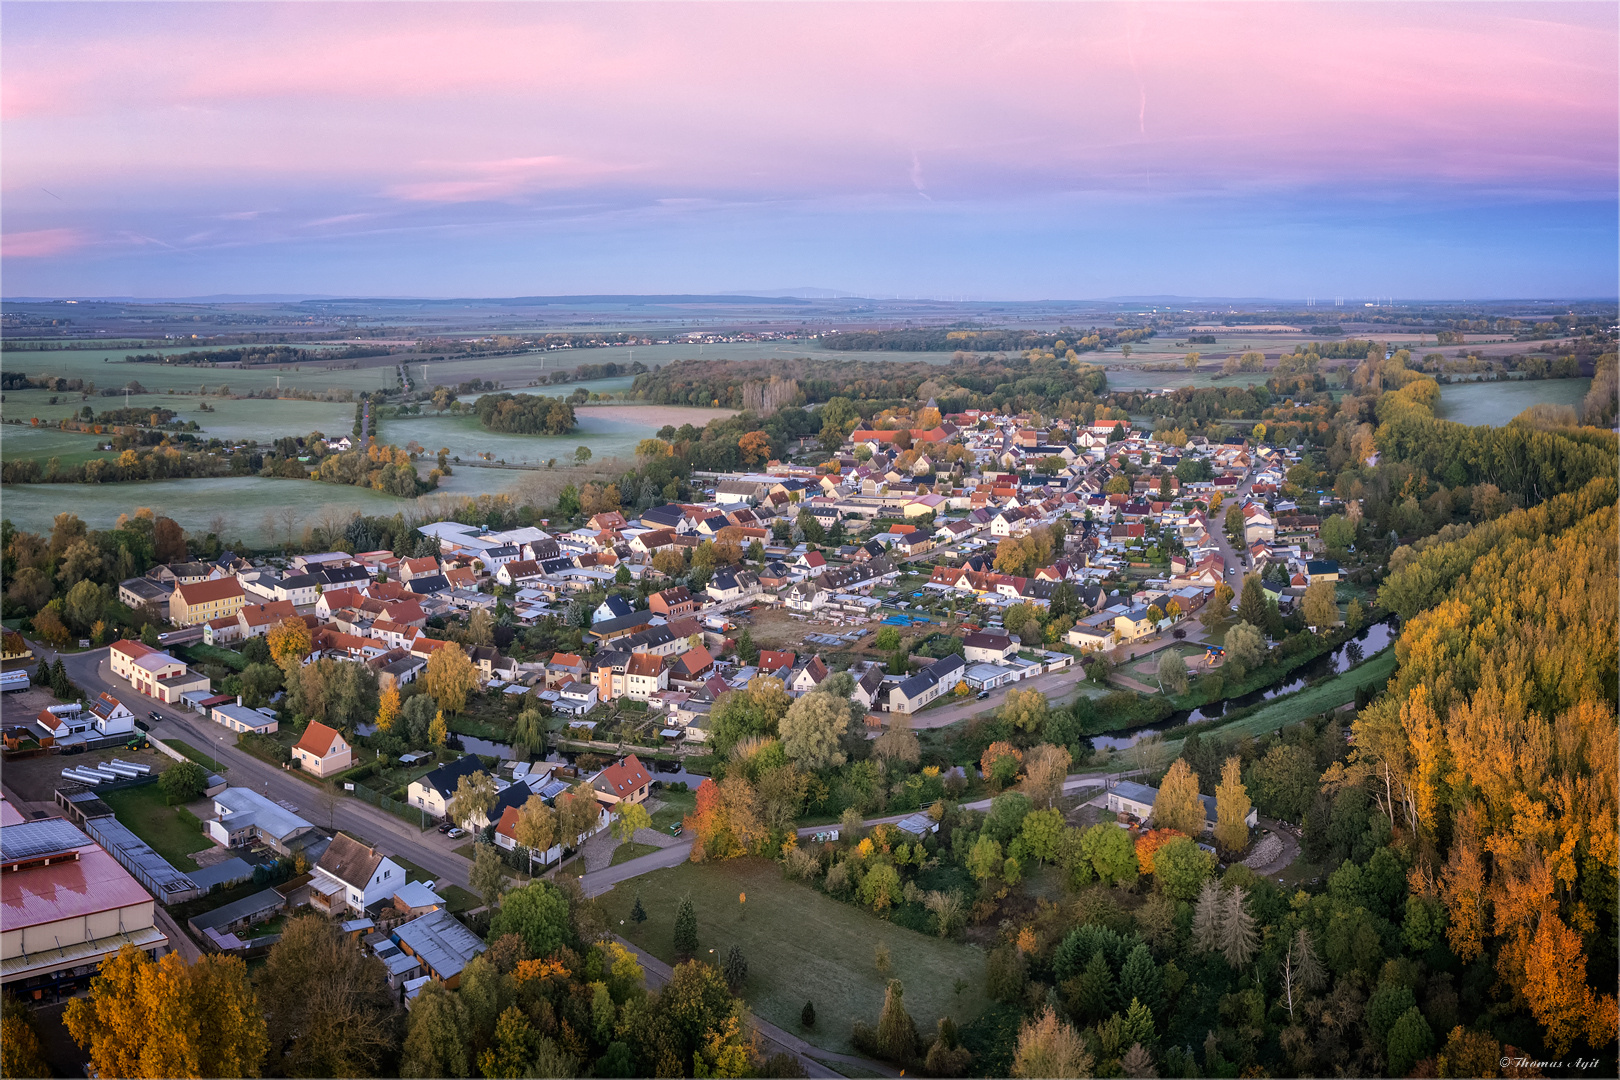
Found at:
(987, 151)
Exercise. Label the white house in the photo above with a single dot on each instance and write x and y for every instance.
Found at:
(112, 717)
(433, 791)
(577, 698)
(988, 647)
(361, 875)
(805, 596)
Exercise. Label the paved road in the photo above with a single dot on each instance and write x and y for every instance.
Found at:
(393, 836)
(659, 973)
(1217, 530)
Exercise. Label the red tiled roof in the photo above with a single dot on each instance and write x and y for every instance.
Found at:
(622, 779)
(317, 739)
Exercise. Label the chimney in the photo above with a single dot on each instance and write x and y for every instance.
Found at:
(239, 699)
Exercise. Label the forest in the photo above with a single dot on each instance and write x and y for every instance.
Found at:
(1038, 380)
(252, 355)
(524, 414)
(942, 339)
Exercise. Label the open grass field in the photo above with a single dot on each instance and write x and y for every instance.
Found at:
(231, 418)
(1498, 402)
(18, 441)
(173, 831)
(801, 945)
(608, 430)
(241, 501)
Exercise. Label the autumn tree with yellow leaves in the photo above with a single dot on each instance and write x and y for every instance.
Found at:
(162, 1018)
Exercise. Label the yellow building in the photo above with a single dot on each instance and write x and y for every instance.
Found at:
(205, 601)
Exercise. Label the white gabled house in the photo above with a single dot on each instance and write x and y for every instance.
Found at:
(352, 875)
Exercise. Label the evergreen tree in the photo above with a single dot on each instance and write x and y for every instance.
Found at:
(735, 968)
(1252, 604)
(1139, 979)
(896, 1033)
(1095, 1001)
(42, 677)
(686, 931)
(1138, 1027)
(638, 914)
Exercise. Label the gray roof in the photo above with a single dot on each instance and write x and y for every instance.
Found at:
(1127, 789)
(260, 903)
(442, 943)
(249, 807)
(221, 873)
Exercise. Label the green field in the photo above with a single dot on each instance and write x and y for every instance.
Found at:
(1499, 402)
(626, 852)
(173, 831)
(242, 501)
(19, 441)
(231, 418)
(801, 945)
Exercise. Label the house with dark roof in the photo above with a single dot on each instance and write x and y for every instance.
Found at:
(920, 689)
(433, 791)
(869, 690)
(614, 607)
(618, 627)
(361, 875)
(672, 603)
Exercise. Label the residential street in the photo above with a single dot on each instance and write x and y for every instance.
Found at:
(392, 836)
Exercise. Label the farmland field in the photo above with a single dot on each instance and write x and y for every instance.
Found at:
(242, 501)
(232, 418)
(1499, 402)
(26, 441)
(801, 945)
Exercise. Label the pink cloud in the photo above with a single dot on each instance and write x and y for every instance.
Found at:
(792, 100)
(41, 243)
(496, 180)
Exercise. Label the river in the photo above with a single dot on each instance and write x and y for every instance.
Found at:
(1364, 646)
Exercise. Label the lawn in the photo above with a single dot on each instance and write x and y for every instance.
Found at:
(801, 944)
(626, 852)
(173, 831)
(677, 804)
(457, 899)
(194, 754)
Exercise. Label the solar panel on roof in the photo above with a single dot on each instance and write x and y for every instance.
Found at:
(39, 839)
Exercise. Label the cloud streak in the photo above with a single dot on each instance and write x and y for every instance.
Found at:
(424, 116)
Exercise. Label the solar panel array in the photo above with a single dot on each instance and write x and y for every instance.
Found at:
(39, 839)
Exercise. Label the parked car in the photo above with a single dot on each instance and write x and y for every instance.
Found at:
(456, 834)
(447, 826)
(982, 695)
